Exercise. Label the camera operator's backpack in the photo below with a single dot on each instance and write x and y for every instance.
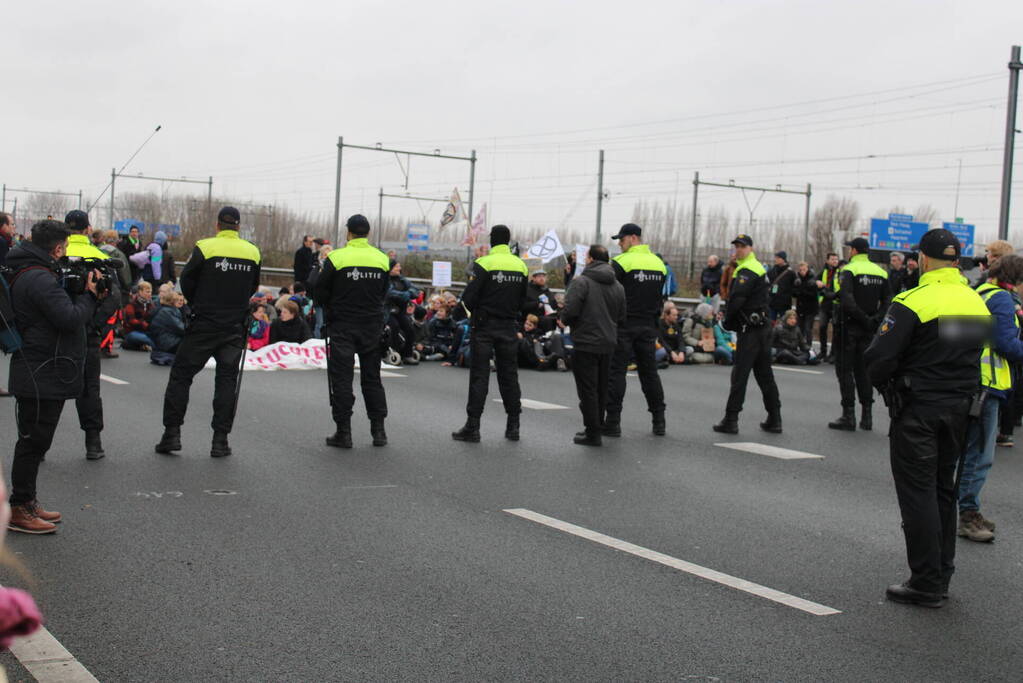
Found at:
(10, 340)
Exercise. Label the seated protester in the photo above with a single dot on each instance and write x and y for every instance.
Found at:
(724, 341)
(290, 326)
(401, 292)
(136, 318)
(440, 336)
(456, 311)
(698, 334)
(259, 329)
(673, 348)
(536, 350)
(167, 328)
(418, 315)
(541, 302)
(434, 303)
(461, 350)
(789, 346)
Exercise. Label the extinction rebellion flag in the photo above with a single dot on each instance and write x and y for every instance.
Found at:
(454, 211)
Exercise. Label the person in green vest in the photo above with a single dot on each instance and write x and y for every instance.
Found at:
(925, 360)
(862, 296)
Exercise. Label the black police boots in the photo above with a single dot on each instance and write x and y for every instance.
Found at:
(773, 423)
(93, 445)
(659, 424)
(219, 448)
(588, 438)
(470, 432)
(342, 438)
(170, 442)
(729, 425)
(612, 425)
(866, 419)
(511, 430)
(376, 430)
(847, 422)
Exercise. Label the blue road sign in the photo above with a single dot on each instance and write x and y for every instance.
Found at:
(171, 229)
(418, 237)
(896, 234)
(964, 232)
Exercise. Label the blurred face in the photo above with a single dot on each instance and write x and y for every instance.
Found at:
(397, 270)
(671, 315)
(307, 242)
(742, 251)
(441, 314)
(911, 264)
(134, 233)
(540, 279)
(895, 259)
(712, 261)
(286, 314)
(179, 301)
(790, 321)
(803, 270)
(833, 260)
(8, 227)
(146, 292)
(779, 261)
(529, 326)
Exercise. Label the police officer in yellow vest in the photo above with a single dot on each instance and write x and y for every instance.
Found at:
(218, 280)
(863, 294)
(642, 275)
(925, 359)
(1004, 276)
(90, 403)
(746, 314)
(494, 296)
(352, 288)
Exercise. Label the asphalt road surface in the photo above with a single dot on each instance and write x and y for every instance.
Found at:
(291, 561)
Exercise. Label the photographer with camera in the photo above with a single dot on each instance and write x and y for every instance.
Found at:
(50, 366)
(90, 404)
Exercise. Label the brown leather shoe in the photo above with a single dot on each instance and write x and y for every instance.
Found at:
(25, 520)
(47, 515)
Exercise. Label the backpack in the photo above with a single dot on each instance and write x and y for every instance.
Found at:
(10, 339)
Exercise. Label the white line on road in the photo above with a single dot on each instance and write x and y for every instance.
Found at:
(388, 373)
(771, 451)
(537, 405)
(805, 372)
(675, 563)
(112, 380)
(372, 486)
(49, 661)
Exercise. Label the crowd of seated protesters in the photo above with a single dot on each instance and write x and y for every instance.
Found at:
(541, 350)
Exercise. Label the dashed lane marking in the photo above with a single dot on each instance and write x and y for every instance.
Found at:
(112, 380)
(770, 451)
(675, 563)
(48, 661)
(805, 372)
(537, 405)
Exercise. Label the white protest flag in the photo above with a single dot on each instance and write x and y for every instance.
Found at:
(479, 225)
(454, 211)
(547, 248)
(581, 252)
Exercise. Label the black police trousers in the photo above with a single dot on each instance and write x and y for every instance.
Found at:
(851, 369)
(591, 383)
(363, 340)
(196, 348)
(89, 404)
(637, 339)
(37, 422)
(495, 338)
(753, 352)
(926, 442)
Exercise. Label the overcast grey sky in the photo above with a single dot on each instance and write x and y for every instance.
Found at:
(256, 93)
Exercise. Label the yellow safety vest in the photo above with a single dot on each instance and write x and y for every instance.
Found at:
(995, 372)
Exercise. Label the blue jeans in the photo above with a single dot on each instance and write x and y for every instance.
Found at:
(980, 454)
(134, 341)
(318, 325)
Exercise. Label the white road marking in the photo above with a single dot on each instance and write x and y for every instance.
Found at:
(805, 372)
(112, 380)
(675, 563)
(48, 661)
(771, 451)
(372, 486)
(388, 373)
(537, 405)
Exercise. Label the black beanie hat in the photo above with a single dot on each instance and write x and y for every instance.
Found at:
(499, 234)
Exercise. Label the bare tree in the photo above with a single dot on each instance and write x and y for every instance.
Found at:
(832, 223)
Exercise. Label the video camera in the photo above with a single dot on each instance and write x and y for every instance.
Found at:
(74, 273)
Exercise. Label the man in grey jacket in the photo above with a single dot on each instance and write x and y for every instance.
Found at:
(594, 309)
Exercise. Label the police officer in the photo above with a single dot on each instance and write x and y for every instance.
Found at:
(642, 274)
(220, 276)
(747, 314)
(925, 358)
(494, 296)
(862, 295)
(352, 288)
(90, 404)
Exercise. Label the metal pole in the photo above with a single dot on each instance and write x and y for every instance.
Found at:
(337, 194)
(600, 194)
(472, 196)
(380, 218)
(1010, 141)
(692, 229)
(209, 199)
(79, 200)
(113, 177)
(806, 224)
(3, 198)
(14, 213)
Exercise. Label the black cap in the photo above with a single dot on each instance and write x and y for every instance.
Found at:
(229, 216)
(77, 220)
(744, 239)
(358, 224)
(628, 229)
(860, 244)
(499, 234)
(940, 244)
(782, 255)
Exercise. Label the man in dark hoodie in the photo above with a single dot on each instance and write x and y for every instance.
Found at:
(710, 279)
(594, 309)
(783, 280)
(53, 325)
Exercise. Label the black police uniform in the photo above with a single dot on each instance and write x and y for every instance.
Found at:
(863, 295)
(642, 274)
(925, 358)
(494, 296)
(218, 280)
(352, 288)
(746, 313)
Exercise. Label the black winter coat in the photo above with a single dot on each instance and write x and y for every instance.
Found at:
(295, 331)
(303, 263)
(805, 290)
(51, 364)
(782, 279)
(710, 280)
(533, 306)
(167, 328)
